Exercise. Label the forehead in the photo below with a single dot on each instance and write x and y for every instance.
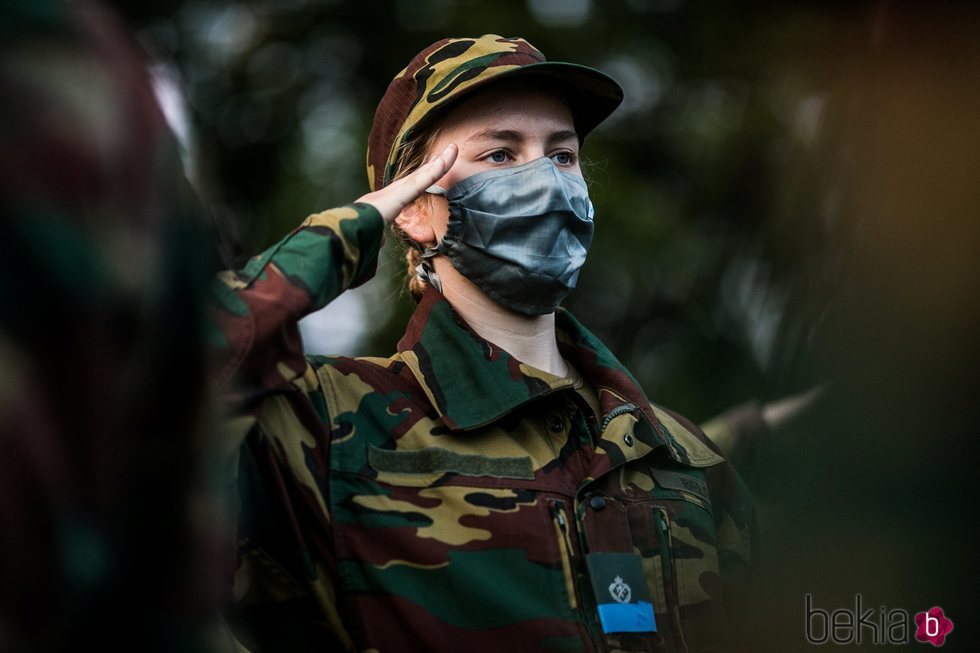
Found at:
(511, 104)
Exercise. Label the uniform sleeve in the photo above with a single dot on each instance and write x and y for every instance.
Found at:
(254, 311)
(736, 530)
(735, 521)
(739, 432)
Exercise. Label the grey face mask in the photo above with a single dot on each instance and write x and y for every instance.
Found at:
(520, 234)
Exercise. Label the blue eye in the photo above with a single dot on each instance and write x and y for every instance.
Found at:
(498, 156)
(563, 158)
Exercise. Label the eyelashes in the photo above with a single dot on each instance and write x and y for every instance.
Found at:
(562, 158)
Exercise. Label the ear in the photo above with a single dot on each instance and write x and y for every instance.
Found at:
(415, 221)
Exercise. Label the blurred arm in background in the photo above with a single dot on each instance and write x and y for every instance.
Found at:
(741, 431)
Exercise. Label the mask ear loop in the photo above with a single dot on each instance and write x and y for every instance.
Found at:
(425, 270)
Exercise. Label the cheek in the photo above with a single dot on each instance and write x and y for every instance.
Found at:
(439, 217)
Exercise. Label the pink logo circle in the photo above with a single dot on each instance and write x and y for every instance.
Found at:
(932, 626)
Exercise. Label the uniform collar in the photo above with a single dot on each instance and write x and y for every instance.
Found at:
(472, 382)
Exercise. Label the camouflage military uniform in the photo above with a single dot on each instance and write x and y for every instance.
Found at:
(445, 498)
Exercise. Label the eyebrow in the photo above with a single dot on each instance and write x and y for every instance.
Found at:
(517, 137)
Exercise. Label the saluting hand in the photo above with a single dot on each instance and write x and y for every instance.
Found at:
(390, 200)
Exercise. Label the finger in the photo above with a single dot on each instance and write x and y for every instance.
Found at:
(448, 155)
(432, 171)
(395, 196)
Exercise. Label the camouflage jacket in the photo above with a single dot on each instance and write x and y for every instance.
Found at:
(445, 498)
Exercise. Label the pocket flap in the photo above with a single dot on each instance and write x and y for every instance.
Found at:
(434, 459)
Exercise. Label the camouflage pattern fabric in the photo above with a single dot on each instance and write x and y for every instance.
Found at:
(740, 432)
(108, 536)
(445, 498)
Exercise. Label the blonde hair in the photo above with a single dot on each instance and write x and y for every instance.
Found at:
(411, 155)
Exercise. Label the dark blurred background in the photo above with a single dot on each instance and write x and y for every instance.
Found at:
(786, 200)
(718, 184)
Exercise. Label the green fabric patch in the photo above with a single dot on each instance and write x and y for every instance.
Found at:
(434, 459)
(477, 590)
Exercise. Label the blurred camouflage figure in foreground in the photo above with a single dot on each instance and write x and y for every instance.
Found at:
(102, 394)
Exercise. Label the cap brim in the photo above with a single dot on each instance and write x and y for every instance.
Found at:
(591, 95)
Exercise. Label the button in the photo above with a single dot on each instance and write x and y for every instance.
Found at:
(597, 503)
(628, 439)
(557, 425)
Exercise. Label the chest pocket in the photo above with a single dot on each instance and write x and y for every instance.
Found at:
(682, 523)
(664, 514)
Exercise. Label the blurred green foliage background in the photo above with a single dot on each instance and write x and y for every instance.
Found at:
(788, 197)
(703, 181)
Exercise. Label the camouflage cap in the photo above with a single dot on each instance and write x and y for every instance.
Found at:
(449, 69)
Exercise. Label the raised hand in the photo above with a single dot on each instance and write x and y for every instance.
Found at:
(390, 200)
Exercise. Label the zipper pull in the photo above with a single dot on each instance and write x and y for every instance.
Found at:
(628, 407)
(663, 542)
(557, 510)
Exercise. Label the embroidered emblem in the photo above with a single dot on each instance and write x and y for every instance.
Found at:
(620, 591)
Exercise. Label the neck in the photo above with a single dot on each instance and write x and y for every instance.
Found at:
(529, 338)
